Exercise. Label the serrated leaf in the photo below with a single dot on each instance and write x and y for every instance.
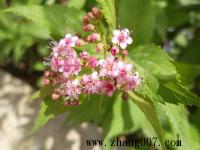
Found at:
(152, 64)
(149, 110)
(56, 19)
(108, 9)
(155, 61)
(160, 76)
(49, 109)
(178, 117)
(174, 92)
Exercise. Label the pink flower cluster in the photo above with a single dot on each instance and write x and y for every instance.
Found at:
(109, 74)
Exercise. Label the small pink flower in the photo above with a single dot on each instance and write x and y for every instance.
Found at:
(122, 38)
(69, 40)
(80, 43)
(84, 55)
(88, 27)
(107, 66)
(92, 62)
(114, 50)
(94, 37)
(72, 89)
(107, 88)
(130, 84)
(46, 81)
(89, 83)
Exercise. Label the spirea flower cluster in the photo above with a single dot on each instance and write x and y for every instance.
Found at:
(106, 75)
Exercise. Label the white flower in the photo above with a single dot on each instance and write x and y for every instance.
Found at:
(122, 38)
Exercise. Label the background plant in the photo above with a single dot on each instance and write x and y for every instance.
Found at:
(174, 25)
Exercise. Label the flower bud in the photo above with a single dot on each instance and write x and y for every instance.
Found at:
(55, 96)
(90, 15)
(115, 50)
(80, 43)
(86, 19)
(84, 55)
(89, 38)
(67, 103)
(46, 81)
(88, 27)
(75, 103)
(93, 62)
(95, 37)
(124, 52)
(96, 12)
(47, 73)
(99, 47)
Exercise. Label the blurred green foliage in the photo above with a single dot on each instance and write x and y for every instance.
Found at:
(26, 27)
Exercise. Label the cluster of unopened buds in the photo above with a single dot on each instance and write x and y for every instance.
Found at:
(106, 75)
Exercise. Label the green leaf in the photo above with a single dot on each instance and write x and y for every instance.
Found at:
(174, 92)
(153, 64)
(178, 118)
(138, 16)
(46, 90)
(38, 66)
(56, 19)
(176, 16)
(125, 117)
(35, 95)
(97, 105)
(160, 76)
(108, 9)
(154, 61)
(76, 3)
(49, 110)
(148, 109)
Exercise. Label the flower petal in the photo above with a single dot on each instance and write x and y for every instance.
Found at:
(116, 32)
(123, 45)
(115, 40)
(129, 40)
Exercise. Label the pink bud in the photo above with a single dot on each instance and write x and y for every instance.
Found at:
(80, 43)
(84, 55)
(86, 19)
(96, 12)
(55, 96)
(47, 73)
(75, 103)
(90, 15)
(95, 37)
(46, 81)
(88, 38)
(88, 27)
(99, 47)
(114, 50)
(125, 52)
(93, 62)
(67, 103)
